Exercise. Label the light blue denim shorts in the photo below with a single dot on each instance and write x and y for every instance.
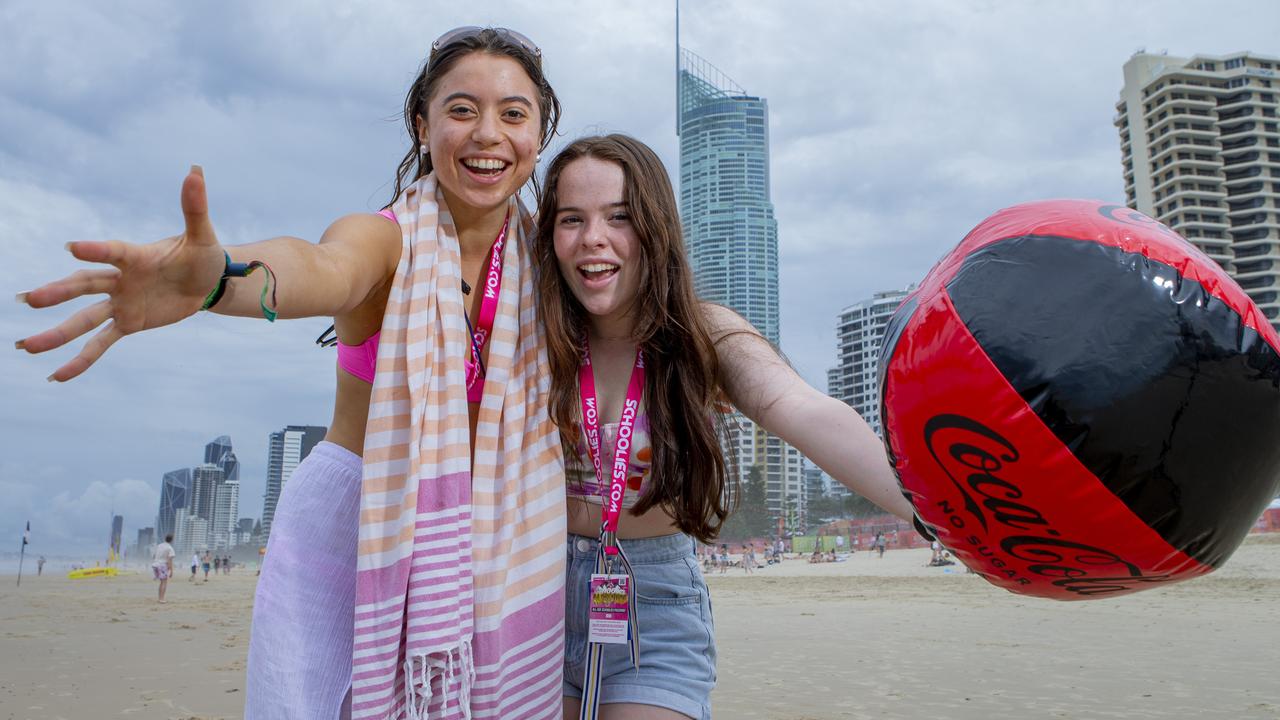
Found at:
(677, 636)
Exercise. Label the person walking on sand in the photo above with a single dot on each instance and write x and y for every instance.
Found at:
(204, 564)
(162, 564)
(40, 566)
(195, 565)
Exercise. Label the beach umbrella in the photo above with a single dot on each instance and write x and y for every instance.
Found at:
(1081, 404)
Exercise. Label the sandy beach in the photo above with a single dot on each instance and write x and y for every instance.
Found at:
(864, 638)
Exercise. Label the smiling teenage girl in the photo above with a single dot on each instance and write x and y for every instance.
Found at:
(629, 341)
(458, 600)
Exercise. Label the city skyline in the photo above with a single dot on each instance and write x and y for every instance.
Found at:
(893, 131)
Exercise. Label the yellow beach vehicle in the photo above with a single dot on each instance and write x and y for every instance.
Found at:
(92, 572)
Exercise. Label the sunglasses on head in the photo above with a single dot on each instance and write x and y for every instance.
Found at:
(470, 31)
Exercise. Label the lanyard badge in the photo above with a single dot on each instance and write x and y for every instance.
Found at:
(610, 614)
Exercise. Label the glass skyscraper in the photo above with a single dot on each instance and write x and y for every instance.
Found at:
(732, 239)
(725, 206)
(175, 495)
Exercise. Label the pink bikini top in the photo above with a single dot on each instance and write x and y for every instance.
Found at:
(361, 360)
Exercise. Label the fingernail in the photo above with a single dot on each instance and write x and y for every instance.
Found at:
(197, 170)
(50, 379)
(21, 297)
(67, 247)
(20, 345)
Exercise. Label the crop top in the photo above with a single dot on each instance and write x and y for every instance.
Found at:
(580, 475)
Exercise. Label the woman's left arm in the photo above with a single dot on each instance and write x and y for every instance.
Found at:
(833, 435)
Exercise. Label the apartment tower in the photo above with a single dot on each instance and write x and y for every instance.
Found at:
(1200, 146)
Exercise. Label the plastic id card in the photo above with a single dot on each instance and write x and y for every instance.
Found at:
(610, 609)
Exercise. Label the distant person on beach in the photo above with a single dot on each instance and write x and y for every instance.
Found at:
(162, 564)
(880, 544)
(205, 563)
(217, 564)
(40, 566)
(748, 559)
(195, 566)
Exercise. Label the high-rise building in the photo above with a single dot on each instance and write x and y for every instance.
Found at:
(175, 494)
(1200, 147)
(732, 240)
(287, 448)
(117, 534)
(226, 507)
(244, 531)
(146, 539)
(219, 453)
(859, 334)
(205, 480)
(725, 206)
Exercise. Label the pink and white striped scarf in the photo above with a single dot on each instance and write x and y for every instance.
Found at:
(460, 584)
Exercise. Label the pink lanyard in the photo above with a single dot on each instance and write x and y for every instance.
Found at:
(484, 323)
(612, 508)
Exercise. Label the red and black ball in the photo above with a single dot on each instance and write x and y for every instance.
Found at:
(1081, 404)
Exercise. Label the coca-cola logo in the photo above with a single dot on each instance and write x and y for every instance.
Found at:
(995, 522)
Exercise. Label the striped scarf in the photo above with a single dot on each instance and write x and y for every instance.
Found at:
(460, 585)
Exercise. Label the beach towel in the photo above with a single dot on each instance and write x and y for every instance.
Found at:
(460, 572)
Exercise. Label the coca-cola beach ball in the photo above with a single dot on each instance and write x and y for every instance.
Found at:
(1081, 404)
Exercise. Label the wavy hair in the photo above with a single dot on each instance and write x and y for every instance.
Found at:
(689, 475)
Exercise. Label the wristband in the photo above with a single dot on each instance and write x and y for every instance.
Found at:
(239, 270)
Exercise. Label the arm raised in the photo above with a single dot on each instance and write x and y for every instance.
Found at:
(833, 435)
(157, 284)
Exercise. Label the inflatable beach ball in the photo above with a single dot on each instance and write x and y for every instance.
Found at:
(1081, 404)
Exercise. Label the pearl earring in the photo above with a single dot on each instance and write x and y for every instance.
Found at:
(422, 149)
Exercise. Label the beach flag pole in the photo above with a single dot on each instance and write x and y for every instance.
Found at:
(22, 553)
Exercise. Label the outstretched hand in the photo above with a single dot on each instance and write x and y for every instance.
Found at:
(147, 286)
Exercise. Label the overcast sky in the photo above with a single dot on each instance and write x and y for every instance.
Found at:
(895, 128)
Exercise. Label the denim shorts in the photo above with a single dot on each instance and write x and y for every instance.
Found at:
(677, 636)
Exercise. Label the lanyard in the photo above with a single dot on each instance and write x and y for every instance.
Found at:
(612, 506)
(488, 311)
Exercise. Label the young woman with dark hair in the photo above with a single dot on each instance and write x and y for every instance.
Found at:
(627, 338)
(459, 455)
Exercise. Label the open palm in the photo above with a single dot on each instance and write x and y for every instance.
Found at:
(147, 285)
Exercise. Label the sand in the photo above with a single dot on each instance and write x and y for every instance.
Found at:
(865, 638)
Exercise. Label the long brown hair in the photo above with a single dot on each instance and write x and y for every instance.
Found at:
(491, 41)
(689, 476)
